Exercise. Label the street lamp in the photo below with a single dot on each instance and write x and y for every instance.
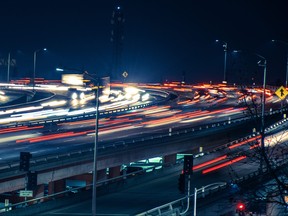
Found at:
(286, 44)
(34, 69)
(96, 134)
(94, 191)
(261, 63)
(8, 67)
(95, 152)
(225, 46)
(217, 184)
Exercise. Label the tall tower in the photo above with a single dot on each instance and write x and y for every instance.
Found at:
(117, 37)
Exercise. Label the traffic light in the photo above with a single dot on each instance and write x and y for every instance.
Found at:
(181, 183)
(188, 165)
(24, 161)
(32, 180)
(240, 209)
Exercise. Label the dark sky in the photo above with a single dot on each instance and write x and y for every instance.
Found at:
(162, 39)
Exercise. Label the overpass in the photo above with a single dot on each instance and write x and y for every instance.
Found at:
(53, 170)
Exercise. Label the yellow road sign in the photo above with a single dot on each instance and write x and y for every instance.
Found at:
(281, 92)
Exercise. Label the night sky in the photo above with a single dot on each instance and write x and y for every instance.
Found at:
(163, 40)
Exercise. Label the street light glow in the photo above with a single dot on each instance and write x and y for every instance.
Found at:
(60, 69)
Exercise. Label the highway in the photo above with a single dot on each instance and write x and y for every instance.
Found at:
(55, 128)
(136, 123)
(203, 107)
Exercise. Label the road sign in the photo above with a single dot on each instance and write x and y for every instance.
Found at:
(281, 92)
(26, 193)
(124, 74)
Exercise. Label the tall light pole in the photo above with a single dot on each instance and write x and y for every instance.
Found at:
(94, 192)
(34, 68)
(94, 184)
(286, 44)
(225, 46)
(263, 64)
(8, 67)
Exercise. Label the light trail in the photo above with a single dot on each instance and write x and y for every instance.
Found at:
(207, 163)
(223, 164)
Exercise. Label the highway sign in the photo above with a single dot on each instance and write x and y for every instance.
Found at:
(124, 74)
(26, 193)
(281, 92)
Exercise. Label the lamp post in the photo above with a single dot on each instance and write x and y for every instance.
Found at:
(217, 184)
(262, 63)
(97, 80)
(286, 44)
(94, 191)
(34, 68)
(8, 67)
(225, 46)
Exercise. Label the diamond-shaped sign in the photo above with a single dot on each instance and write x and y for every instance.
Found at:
(281, 92)
(124, 74)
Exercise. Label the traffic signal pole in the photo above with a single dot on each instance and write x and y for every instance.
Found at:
(24, 165)
(188, 196)
(188, 171)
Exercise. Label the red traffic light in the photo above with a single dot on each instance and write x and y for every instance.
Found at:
(240, 207)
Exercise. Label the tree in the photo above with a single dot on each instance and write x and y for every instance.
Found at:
(270, 186)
